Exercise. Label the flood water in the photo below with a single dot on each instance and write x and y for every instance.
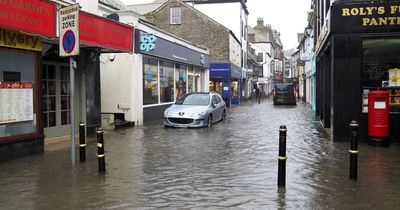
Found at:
(231, 165)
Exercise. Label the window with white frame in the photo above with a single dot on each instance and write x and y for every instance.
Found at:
(175, 15)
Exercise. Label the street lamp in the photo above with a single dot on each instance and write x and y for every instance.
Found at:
(308, 29)
(272, 71)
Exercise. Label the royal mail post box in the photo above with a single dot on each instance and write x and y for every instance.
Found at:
(378, 115)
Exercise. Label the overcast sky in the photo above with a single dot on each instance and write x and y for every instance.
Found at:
(289, 17)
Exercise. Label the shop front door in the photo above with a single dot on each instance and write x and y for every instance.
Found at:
(56, 98)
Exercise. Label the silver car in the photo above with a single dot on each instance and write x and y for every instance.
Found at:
(195, 110)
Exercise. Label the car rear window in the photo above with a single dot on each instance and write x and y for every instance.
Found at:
(194, 99)
(284, 88)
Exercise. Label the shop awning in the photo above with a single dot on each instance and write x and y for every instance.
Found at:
(105, 33)
(38, 17)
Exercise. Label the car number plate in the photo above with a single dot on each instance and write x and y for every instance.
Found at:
(280, 100)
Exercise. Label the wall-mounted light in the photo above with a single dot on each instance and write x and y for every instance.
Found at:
(111, 57)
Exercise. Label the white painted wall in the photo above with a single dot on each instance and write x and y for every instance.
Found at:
(234, 51)
(91, 6)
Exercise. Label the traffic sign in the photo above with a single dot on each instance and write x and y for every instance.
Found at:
(69, 41)
(69, 30)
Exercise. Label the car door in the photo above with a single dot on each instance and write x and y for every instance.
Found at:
(220, 106)
(215, 109)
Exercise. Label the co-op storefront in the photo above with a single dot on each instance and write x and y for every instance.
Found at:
(163, 68)
(34, 81)
(358, 51)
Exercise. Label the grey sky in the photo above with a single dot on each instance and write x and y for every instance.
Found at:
(289, 17)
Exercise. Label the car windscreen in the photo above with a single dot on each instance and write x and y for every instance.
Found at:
(194, 99)
(284, 88)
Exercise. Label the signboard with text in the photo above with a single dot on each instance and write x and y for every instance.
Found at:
(32, 16)
(370, 16)
(69, 30)
(105, 33)
(16, 102)
(14, 39)
(150, 44)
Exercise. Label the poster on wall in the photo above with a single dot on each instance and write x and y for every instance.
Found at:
(394, 77)
(16, 102)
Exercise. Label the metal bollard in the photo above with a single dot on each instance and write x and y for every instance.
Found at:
(282, 157)
(82, 142)
(353, 149)
(100, 150)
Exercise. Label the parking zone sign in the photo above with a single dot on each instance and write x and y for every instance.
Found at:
(69, 30)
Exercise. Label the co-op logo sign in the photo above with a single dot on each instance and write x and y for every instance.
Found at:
(147, 42)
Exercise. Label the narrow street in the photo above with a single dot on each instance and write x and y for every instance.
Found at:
(231, 165)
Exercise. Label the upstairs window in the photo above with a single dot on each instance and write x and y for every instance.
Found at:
(175, 15)
(260, 57)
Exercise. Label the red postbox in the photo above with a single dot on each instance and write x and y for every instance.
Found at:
(378, 115)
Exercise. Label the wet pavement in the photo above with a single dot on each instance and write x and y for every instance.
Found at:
(231, 165)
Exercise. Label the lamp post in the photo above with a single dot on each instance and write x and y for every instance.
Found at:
(273, 72)
(304, 86)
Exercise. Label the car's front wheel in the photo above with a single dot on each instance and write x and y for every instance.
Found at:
(209, 121)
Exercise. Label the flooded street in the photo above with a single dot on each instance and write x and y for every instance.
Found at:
(231, 165)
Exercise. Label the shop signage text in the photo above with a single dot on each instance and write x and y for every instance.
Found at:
(18, 40)
(33, 16)
(372, 16)
(366, 12)
(153, 45)
(147, 42)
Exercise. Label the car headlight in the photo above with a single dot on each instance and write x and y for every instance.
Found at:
(198, 114)
(167, 113)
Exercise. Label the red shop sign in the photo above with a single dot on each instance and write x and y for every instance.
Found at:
(32, 16)
(105, 33)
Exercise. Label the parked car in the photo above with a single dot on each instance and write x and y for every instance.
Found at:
(284, 94)
(196, 110)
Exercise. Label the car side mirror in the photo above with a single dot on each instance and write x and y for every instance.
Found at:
(214, 105)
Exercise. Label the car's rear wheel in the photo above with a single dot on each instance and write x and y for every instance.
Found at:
(223, 115)
(209, 122)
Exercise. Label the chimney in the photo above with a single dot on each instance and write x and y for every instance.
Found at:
(260, 21)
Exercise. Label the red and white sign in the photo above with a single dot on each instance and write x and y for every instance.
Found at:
(32, 16)
(16, 102)
(105, 33)
(69, 30)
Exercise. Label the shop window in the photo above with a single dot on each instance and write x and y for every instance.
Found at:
(381, 69)
(49, 95)
(191, 82)
(166, 81)
(180, 79)
(150, 81)
(175, 15)
(65, 95)
(18, 105)
(235, 89)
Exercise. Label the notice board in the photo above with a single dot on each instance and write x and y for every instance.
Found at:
(16, 102)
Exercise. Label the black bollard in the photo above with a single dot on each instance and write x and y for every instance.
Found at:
(353, 149)
(100, 150)
(282, 157)
(82, 142)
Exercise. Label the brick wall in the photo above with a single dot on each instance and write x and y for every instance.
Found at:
(198, 30)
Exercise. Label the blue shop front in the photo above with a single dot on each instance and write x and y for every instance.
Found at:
(225, 78)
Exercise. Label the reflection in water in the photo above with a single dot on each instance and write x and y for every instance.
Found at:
(231, 165)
